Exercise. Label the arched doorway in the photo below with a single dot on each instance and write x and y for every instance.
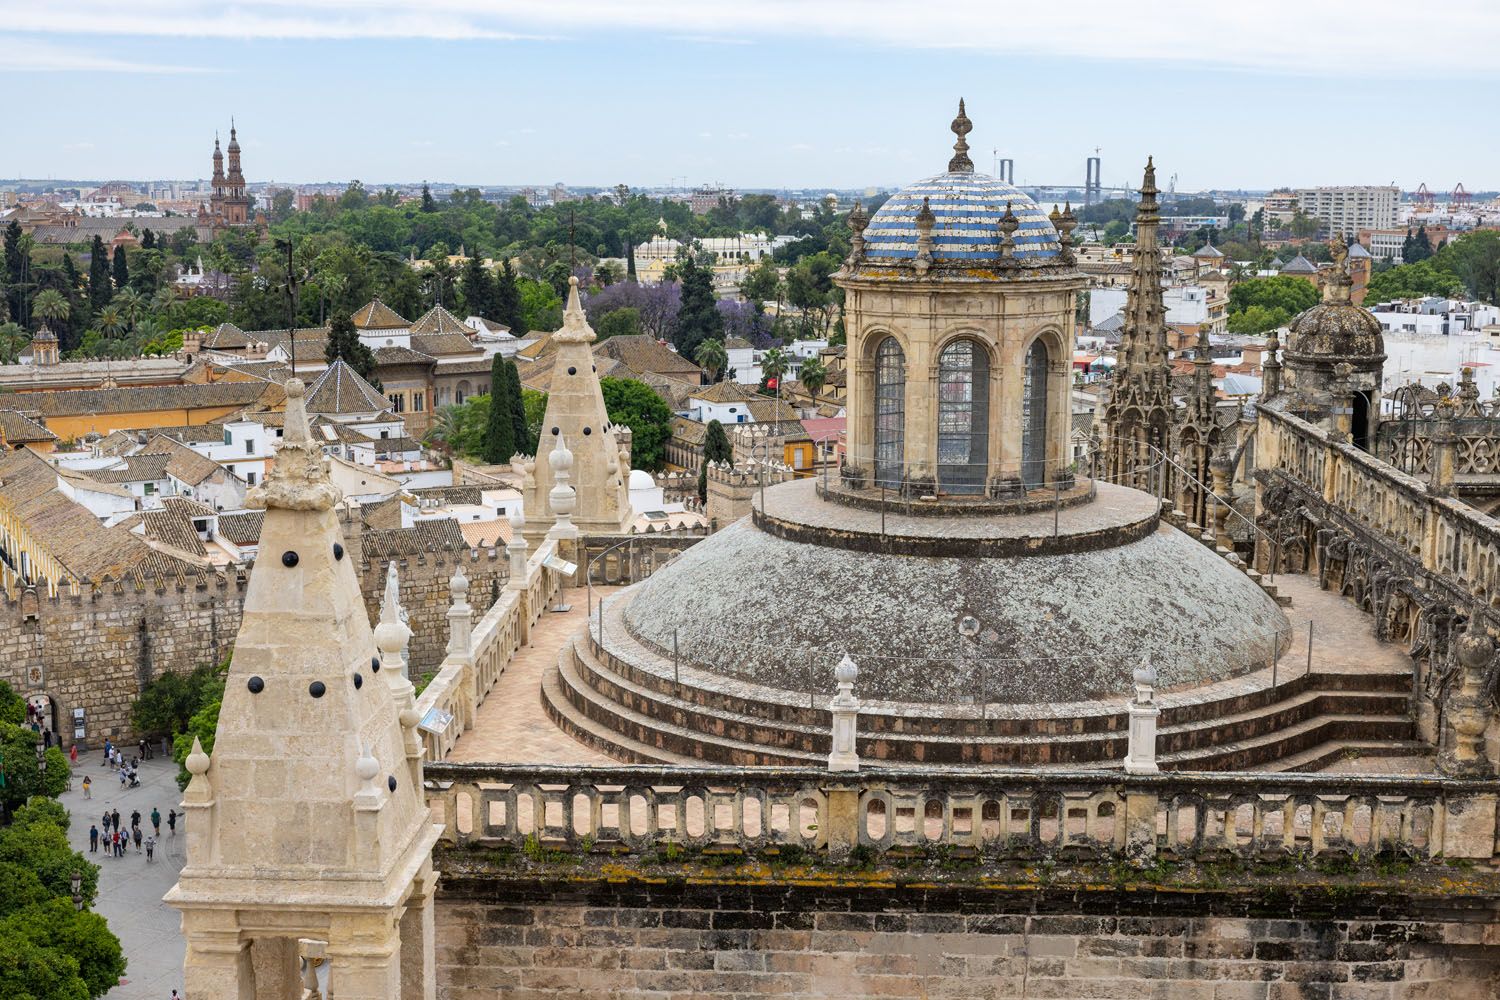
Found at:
(963, 431)
(1034, 416)
(1359, 430)
(890, 413)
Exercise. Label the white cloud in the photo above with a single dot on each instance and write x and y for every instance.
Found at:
(1327, 37)
(33, 56)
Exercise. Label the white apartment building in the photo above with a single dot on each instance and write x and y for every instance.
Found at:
(1347, 210)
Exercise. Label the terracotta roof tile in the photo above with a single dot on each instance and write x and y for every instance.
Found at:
(183, 463)
(440, 534)
(376, 315)
(243, 527)
(18, 428)
(148, 398)
(340, 389)
(438, 320)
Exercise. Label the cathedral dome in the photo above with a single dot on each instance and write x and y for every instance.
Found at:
(967, 209)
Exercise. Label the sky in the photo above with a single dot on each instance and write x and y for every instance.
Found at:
(754, 93)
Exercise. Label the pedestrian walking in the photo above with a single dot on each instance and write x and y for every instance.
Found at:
(150, 848)
(115, 818)
(115, 843)
(93, 840)
(88, 787)
(135, 820)
(156, 820)
(109, 752)
(73, 754)
(136, 833)
(172, 821)
(105, 823)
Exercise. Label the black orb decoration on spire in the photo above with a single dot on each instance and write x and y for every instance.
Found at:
(961, 164)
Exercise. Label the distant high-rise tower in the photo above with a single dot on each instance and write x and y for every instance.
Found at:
(1093, 186)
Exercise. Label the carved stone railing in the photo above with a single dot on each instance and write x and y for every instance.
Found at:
(636, 809)
(468, 673)
(620, 560)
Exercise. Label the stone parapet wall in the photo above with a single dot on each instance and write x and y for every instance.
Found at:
(542, 940)
(93, 646)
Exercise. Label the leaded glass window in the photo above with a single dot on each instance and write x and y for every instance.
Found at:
(890, 413)
(963, 437)
(1034, 417)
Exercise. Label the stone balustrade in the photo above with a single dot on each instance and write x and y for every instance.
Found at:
(1021, 812)
(1455, 543)
(620, 560)
(473, 665)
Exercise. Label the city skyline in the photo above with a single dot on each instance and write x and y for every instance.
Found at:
(840, 95)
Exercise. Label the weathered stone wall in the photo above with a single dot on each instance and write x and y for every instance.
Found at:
(814, 941)
(94, 651)
(426, 598)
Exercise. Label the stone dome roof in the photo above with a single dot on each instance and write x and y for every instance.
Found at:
(1062, 627)
(1334, 332)
(967, 207)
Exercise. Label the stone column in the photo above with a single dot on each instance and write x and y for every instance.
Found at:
(198, 813)
(1141, 757)
(218, 962)
(1219, 466)
(418, 934)
(1468, 708)
(364, 958)
(277, 970)
(845, 711)
(461, 641)
(515, 551)
(1444, 451)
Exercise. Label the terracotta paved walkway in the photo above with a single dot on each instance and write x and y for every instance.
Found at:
(512, 726)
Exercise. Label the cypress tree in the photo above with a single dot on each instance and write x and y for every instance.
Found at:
(15, 272)
(148, 240)
(499, 429)
(629, 263)
(99, 290)
(344, 342)
(517, 403)
(122, 270)
(716, 444)
(479, 289)
(698, 317)
(508, 300)
(703, 482)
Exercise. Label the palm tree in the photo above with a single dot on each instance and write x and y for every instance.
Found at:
(712, 357)
(774, 364)
(12, 339)
(51, 306)
(111, 324)
(814, 376)
(131, 304)
(148, 330)
(163, 300)
(443, 431)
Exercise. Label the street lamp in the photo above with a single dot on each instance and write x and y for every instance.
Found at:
(41, 758)
(76, 881)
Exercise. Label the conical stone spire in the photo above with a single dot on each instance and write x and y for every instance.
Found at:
(576, 411)
(290, 819)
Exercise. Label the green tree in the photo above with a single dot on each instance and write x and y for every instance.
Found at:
(541, 307)
(1304, 227)
(698, 317)
(1279, 298)
(508, 300)
(813, 375)
(170, 700)
(622, 322)
(131, 304)
(344, 342)
(1417, 246)
(515, 402)
(638, 407)
(52, 306)
(1412, 281)
(111, 323)
(202, 726)
(18, 764)
(712, 358)
(762, 284)
(428, 204)
(12, 706)
(12, 340)
(773, 365)
(121, 270)
(500, 429)
(716, 447)
(477, 285)
(99, 289)
(1475, 259)
(535, 405)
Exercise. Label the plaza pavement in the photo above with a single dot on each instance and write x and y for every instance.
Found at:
(130, 890)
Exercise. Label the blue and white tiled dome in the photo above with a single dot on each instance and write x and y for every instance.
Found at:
(967, 207)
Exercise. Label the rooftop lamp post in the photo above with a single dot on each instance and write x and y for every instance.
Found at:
(76, 882)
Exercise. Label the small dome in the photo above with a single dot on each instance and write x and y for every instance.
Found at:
(1336, 331)
(967, 207)
(641, 480)
(1208, 250)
